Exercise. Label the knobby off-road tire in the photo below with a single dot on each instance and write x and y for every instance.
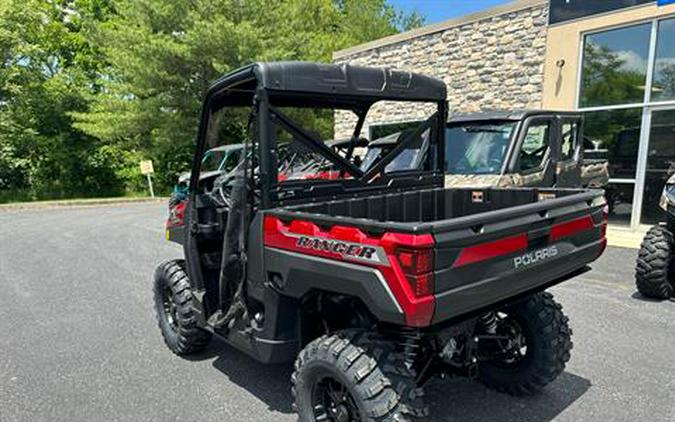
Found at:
(548, 340)
(173, 309)
(377, 385)
(654, 262)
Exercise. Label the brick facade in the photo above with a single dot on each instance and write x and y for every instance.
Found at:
(492, 62)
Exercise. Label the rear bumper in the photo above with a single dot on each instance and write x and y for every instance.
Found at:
(490, 292)
(175, 234)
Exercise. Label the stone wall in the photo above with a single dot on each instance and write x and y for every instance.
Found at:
(495, 62)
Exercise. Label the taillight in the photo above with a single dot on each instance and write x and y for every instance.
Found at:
(605, 219)
(418, 265)
(176, 215)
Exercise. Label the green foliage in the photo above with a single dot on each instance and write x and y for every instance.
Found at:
(90, 87)
(48, 69)
(664, 82)
(605, 80)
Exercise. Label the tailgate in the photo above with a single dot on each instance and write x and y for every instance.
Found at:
(492, 262)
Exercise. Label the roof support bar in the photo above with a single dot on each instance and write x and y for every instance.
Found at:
(405, 143)
(314, 144)
(361, 114)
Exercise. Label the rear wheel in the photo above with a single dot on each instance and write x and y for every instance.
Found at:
(354, 376)
(653, 270)
(537, 349)
(173, 309)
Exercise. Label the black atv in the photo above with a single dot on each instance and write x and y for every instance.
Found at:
(654, 273)
(373, 282)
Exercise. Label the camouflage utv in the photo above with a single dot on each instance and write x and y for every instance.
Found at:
(521, 148)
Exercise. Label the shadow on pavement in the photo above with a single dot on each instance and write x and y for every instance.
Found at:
(463, 400)
(269, 383)
(640, 296)
(453, 400)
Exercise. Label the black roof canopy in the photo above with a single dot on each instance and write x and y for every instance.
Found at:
(324, 85)
(506, 115)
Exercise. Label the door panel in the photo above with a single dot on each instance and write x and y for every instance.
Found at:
(568, 167)
(534, 166)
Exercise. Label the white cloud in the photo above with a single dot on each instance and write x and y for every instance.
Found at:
(632, 61)
(664, 62)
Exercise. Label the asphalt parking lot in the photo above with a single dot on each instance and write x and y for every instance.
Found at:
(78, 339)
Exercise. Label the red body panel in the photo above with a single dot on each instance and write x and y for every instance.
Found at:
(412, 291)
(568, 228)
(418, 310)
(488, 250)
(484, 251)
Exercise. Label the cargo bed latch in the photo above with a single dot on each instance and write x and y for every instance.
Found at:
(477, 196)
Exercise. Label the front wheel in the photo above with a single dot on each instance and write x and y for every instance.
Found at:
(173, 309)
(354, 376)
(538, 346)
(654, 262)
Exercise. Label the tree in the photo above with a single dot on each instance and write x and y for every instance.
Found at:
(47, 68)
(163, 55)
(89, 87)
(664, 82)
(606, 80)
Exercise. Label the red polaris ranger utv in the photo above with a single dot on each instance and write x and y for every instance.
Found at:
(372, 282)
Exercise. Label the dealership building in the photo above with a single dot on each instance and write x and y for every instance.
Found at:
(612, 60)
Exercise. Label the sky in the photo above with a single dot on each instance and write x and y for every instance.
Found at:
(440, 10)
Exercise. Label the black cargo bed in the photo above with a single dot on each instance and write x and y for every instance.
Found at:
(436, 210)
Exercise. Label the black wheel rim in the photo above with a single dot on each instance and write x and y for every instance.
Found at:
(331, 401)
(169, 307)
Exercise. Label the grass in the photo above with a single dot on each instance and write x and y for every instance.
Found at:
(25, 197)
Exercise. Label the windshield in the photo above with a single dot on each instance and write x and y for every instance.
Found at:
(477, 148)
(220, 160)
(408, 159)
(212, 160)
(371, 156)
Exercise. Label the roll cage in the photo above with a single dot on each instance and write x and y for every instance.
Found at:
(269, 87)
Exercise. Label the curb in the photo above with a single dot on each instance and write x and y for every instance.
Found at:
(624, 238)
(68, 203)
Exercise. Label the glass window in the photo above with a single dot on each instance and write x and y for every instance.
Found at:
(380, 131)
(620, 200)
(231, 160)
(615, 136)
(663, 87)
(477, 148)
(566, 10)
(660, 162)
(535, 145)
(410, 158)
(615, 66)
(570, 134)
(212, 160)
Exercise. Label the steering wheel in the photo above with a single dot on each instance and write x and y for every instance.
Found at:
(222, 190)
(494, 162)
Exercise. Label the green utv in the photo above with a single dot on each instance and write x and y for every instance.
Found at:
(373, 282)
(654, 272)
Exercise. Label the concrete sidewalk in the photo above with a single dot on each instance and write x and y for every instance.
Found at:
(621, 237)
